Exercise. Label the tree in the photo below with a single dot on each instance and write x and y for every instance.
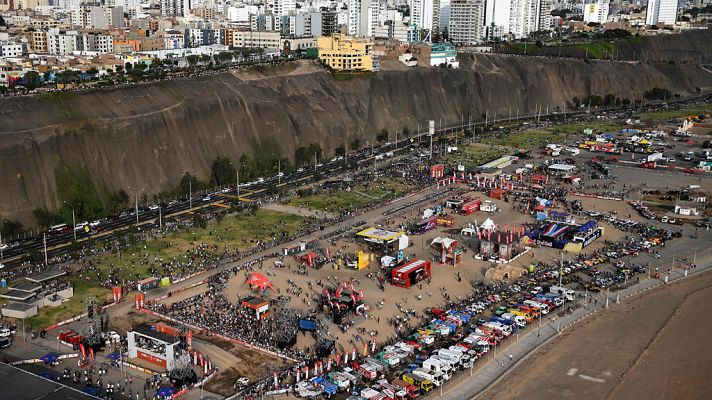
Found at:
(10, 228)
(128, 66)
(46, 218)
(32, 80)
(192, 60)
(187, 183)
(199, 221)
(382, 135)
(222, 172)
(340, 151)
(355, 144)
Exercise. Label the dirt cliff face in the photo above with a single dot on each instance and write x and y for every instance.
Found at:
(142, 138)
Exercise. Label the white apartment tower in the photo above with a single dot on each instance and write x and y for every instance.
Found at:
(664, 11)
(596, 12)
(175, 8)
(467, 21)
(524, 17)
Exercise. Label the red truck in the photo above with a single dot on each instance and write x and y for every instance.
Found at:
(470, 207)
(367, 371)
(410, 390)
(71, 337)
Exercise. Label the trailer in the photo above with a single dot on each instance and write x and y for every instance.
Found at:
(470, 207)
(410, 273)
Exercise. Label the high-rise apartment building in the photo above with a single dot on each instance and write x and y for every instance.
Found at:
(467, 19)
(661, 11)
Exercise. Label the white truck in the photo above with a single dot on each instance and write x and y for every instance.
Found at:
(562, 291)
(435, 377)
(436, 365)
(460, 356)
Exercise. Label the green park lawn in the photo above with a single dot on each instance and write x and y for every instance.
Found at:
(355, 198)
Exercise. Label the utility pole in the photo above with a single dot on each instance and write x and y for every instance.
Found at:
(44, 239)
(279, 172)
(431, 147)
(190, 193)
(2, 258)
(137, 208)
(160, 217)
(237, 174)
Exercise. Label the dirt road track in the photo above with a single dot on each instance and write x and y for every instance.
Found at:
(653, 347)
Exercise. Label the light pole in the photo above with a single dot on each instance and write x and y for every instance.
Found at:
(74, 220)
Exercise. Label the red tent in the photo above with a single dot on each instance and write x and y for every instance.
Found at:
(259, 281)
(308, 258)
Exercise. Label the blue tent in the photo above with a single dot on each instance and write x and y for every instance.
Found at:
(115, 356)
(165, 392)
(92, 391)
(49, 357)
(307, 325)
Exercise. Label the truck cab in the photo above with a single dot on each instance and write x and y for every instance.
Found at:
(435, 377)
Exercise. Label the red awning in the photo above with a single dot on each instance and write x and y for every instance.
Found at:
(258, 280)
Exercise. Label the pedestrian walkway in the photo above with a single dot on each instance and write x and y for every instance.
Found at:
(303, 212)
(499, 361)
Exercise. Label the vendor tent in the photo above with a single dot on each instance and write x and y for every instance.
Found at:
(259, 281)
(488, 225)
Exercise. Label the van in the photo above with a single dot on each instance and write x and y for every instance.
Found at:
(57, 228)
(558, 302)
(506, 330)
(527, 317)
(518, 320)
(568, 294)
(435, 377)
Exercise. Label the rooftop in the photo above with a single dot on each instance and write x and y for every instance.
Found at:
(46, 276)
(146, 330)
(16, 294)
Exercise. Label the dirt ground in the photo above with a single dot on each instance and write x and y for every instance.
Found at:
(235, 362)
(645, 348)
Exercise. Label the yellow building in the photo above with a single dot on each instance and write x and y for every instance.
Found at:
(346, 53)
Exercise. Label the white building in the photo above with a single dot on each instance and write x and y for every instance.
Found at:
(284, 7)
(466, 25)
(363, 17)
(175, 8)
(596, 12)
(497, 18)
(13, 50)
(444, 14)
(421, 13)
(661, 11)
(524, 18)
